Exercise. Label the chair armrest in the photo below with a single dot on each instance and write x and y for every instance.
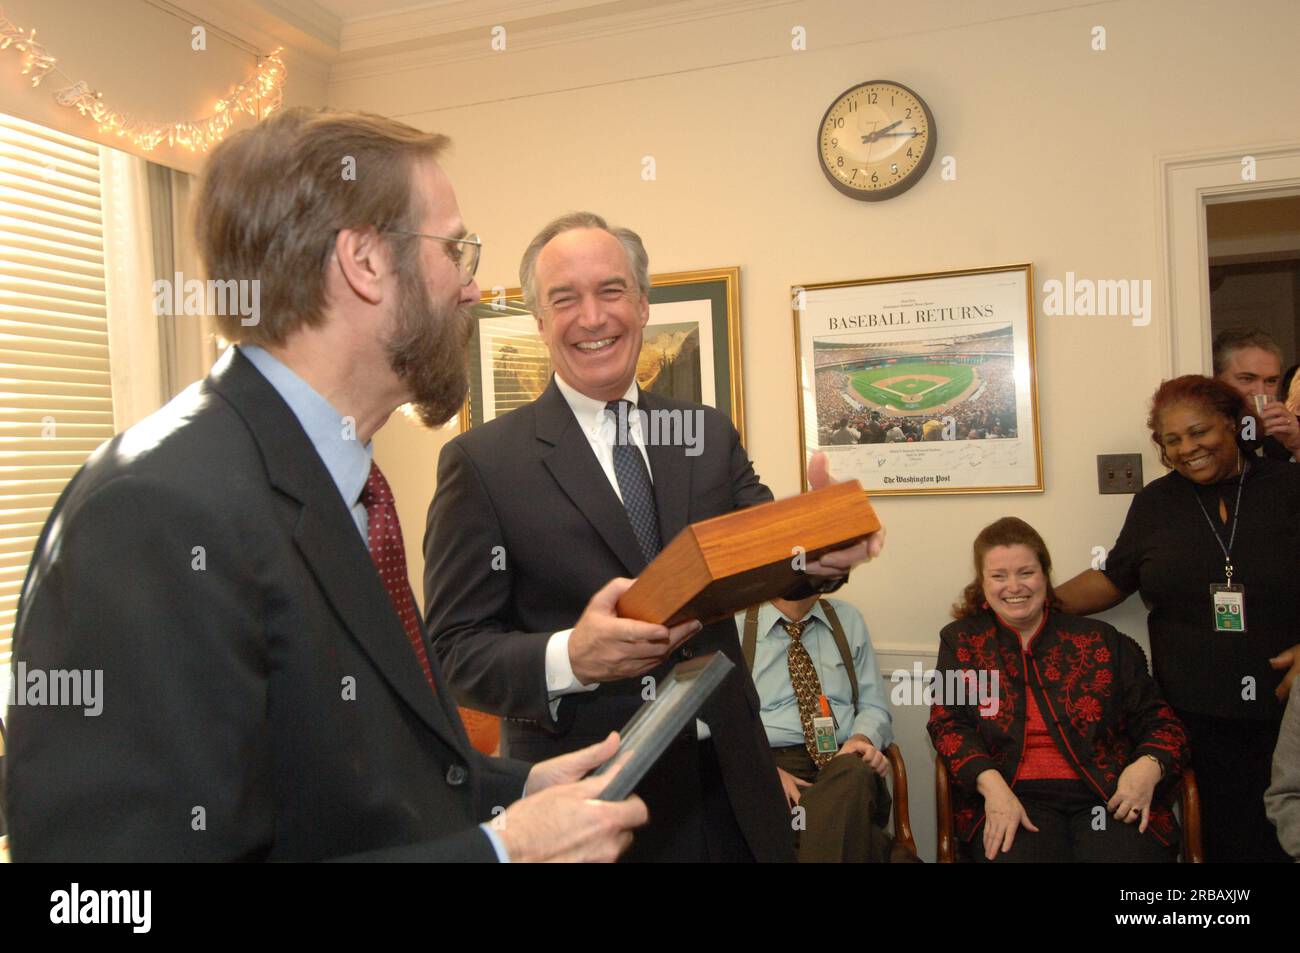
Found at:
(1189, 797)
(946, 849)
(902, 818)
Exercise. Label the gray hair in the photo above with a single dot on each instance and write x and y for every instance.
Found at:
(638, 262)
(1232, 340)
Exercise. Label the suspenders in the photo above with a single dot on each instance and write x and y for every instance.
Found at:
(749, 644)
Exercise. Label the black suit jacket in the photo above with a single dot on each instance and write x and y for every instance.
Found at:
(1274, 449)
(260, 698)
(529, 483)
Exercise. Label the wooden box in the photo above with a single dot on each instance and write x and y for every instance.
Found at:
(720, 566)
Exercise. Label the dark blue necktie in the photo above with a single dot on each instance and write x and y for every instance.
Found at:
(634, 482)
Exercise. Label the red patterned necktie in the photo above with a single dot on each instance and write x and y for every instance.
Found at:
(386, 549)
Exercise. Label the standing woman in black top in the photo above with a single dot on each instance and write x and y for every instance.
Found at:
(1213, 547)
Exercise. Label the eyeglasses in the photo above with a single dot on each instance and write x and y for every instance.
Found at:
(466, 258)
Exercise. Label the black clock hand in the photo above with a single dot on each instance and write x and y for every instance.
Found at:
(873, 136)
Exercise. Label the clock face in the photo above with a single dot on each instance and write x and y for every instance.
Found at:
(876, 140)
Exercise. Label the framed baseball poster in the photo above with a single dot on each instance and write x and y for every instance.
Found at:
(921, 384)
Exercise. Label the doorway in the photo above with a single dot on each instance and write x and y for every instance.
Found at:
(1252, 195)
(1253, 260)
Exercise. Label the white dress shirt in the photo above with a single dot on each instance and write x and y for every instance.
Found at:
(600, 429)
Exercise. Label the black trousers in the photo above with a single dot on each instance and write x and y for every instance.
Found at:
(1232, 759)
(1071, 829)
(688, 799)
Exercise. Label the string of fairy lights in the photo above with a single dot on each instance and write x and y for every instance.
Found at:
(258, 96)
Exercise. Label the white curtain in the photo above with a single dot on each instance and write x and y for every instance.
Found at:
(187, 343)
(128, 268)
(148, 236)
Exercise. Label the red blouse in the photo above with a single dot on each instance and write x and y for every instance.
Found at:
(1042, 760)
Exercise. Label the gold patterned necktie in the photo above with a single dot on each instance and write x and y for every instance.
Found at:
(807, 689)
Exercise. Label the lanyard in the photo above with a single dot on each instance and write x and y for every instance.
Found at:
(1227, 550)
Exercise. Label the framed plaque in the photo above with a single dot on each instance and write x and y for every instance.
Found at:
(647, 735)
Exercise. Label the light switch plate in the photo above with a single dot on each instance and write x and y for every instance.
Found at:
(1119, 472)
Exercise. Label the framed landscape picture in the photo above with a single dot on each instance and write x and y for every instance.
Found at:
(690, 347)
(921, 384)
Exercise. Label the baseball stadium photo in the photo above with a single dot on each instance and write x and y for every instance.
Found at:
(939, 388)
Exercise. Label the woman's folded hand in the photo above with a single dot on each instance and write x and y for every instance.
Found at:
(1003, 813)
(1137, 784)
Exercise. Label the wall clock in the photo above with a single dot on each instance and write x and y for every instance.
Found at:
(876, 140)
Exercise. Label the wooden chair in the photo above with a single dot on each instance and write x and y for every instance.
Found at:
(1189, 801)
(902, 820)
(484, 731)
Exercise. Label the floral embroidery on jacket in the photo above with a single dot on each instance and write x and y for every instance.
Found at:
(1104, 710)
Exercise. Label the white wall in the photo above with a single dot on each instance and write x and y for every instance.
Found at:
(1055, 147)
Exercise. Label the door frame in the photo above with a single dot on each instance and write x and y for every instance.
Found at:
(1186, 184)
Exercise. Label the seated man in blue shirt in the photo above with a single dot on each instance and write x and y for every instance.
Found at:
(828, 722)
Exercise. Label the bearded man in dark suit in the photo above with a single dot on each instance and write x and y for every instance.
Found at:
(232, 566)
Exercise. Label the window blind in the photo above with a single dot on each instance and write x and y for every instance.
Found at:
(55, 396)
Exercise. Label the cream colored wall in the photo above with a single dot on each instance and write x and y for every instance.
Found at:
(1055, 147)
(140, 57)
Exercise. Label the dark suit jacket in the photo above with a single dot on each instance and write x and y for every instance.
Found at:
(529, 482)
(1274, 449)
(227, 732)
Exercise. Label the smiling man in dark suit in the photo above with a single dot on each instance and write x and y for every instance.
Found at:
(540, 508)
(233, 565)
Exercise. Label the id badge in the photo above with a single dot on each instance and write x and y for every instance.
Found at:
(824, 734)
(1229, 608)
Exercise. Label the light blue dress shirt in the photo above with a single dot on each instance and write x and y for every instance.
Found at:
(780, 710)
(347, 461)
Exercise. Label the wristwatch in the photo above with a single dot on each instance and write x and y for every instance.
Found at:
(828, 585)
(1159, 764)
(815, 586)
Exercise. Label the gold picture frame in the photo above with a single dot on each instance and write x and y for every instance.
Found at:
(698, 345)
(921, 384)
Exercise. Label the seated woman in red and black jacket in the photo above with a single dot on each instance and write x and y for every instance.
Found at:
(1077, 747)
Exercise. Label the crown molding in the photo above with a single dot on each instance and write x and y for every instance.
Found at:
(456, 16)
(590, 22)
(308, 32)
(307, 17)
